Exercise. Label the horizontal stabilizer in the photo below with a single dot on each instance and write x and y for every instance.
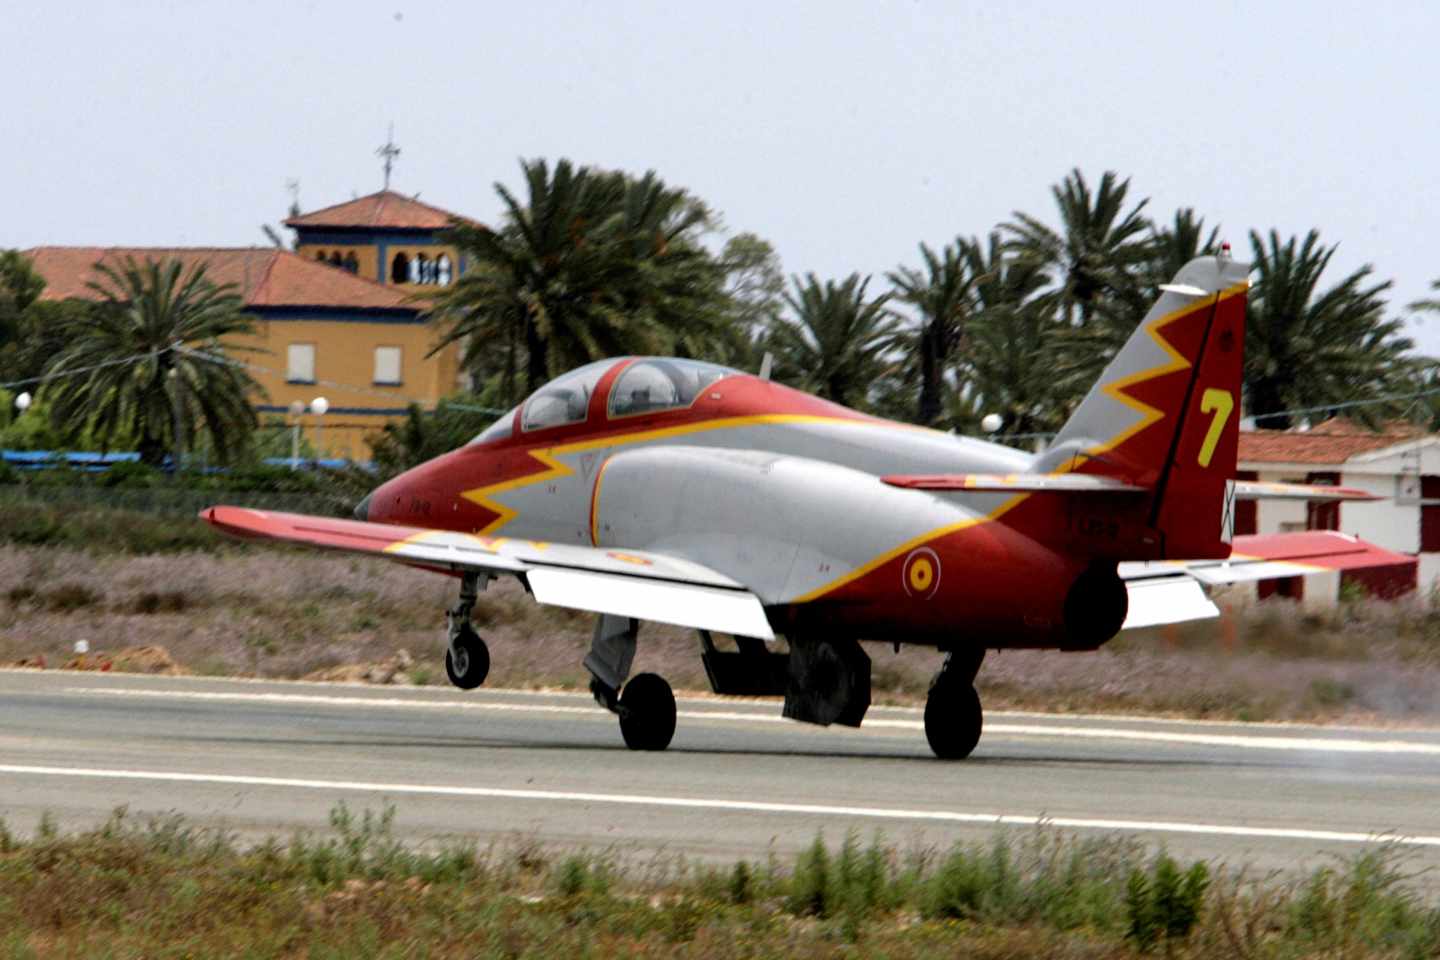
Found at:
(1271, 556)
(1013, 483)
(1260, 490)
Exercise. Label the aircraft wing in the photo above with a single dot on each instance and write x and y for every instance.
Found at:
(628, 583)
(1170, 591)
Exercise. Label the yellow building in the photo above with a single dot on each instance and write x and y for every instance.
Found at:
(339, 318)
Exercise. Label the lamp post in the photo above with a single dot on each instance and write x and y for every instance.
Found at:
(318, 406)
(297, 410)
(22, 402)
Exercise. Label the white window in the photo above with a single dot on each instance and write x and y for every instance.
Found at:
(300, 363)
(387, 365)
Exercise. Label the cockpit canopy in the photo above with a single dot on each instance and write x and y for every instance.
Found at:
(646, 385)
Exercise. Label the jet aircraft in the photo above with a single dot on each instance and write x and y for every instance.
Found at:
(681, 492)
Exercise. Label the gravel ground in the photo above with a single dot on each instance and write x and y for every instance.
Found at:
(282, 613)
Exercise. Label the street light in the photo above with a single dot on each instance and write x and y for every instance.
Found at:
(318, 406)
(297, 410)
(22, 402)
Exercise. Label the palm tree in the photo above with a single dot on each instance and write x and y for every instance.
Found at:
(132, 367)
(941, 297)
(1306, 348)
(835, 342)
(589, 264)
(1176, 244)
(1098, 249)
(1009, 365)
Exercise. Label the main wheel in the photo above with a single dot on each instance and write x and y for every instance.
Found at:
(953, 719)
(467, 661)
(647, 713)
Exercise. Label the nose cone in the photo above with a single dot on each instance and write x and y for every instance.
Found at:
(362, 509)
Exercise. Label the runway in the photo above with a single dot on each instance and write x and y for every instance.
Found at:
(270, 758)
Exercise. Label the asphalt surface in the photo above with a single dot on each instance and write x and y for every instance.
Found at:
(270, 758)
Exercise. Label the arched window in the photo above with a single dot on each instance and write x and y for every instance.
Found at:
(320, 255)
(335, 260)
(400, 269)
(420, 271)
(442, 270)
(352, 264)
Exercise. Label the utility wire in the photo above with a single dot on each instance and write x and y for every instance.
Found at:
(62, 374)
(230, 361)
(492, 411)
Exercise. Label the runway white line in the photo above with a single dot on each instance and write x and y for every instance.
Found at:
(747, 806)
(1243, 741)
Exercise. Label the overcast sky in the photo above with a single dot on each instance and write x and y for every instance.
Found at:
(844, 132)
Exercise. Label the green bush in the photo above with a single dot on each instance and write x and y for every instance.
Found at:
(1165, 906)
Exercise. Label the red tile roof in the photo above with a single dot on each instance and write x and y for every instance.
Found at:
(384, 209)
(265, 277)
(1333, 441)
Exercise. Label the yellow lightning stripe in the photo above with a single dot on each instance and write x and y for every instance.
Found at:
(487, 544)
(911, 544)
(483, 496)
(1174, 363)
(1149, 414)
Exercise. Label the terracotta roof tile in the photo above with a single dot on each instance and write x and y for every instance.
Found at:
(384, 209)
(1333, 441)
(266, 277)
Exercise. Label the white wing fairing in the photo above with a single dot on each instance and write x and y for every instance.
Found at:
(642, 584)
(1160, 600)
(686, 605)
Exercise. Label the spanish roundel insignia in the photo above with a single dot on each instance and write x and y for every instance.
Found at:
(921, 573)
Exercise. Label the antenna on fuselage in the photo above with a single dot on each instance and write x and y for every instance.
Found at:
(766, 363)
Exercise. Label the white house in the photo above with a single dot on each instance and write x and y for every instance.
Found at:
(1400, 464)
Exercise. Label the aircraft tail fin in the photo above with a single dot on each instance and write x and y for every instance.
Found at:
(1165, 414)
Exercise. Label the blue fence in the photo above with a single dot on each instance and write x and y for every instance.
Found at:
(89, 462)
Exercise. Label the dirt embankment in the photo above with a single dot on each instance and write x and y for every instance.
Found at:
(295, 615)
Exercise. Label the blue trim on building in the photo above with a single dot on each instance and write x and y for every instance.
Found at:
(344, 235)
(341, 411)
(401, 315)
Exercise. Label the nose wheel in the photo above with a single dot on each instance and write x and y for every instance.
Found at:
(467, 662)
(467, 659)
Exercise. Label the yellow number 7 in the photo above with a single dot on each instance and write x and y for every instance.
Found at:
(1220, 403)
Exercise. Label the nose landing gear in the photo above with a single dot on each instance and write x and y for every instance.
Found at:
(467, 659)
(467, 662)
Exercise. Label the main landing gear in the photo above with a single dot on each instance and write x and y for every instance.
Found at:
(467, 659)
(953, 718)
(645, 705)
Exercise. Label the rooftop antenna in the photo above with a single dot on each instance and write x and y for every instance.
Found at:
(388, 153)
(293, 186)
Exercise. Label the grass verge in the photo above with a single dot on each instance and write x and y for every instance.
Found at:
(162, 888)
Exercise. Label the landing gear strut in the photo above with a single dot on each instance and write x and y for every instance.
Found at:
(646, 705)
(953, 718)
(467, 659)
